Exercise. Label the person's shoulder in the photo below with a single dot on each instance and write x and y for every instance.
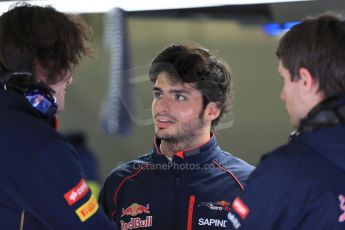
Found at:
(37, 130)
(31, 128)
(130, 168)
(303, 160)
(291, 152)
(292, 161)
(302, 176)
(240, 168)
(276, 169)
(37, 143)
(233, 162)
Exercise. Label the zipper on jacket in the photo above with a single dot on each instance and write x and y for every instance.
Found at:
(190, 212)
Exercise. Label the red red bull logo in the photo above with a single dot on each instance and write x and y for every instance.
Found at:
(136, 223)
(135, 209)
(342, 208)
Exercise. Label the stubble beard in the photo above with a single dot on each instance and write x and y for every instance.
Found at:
(186, 133)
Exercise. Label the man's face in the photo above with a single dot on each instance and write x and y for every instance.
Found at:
(291, 96)
(60, 90)
(177, 110)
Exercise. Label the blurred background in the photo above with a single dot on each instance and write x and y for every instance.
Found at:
(123, 50)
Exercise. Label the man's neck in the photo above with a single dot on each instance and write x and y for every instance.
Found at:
(169, 148)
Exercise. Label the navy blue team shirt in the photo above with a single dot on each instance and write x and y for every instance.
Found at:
(300, 185)
(192, 191)
(42, 185)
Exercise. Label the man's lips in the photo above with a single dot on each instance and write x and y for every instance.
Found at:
(164, 121)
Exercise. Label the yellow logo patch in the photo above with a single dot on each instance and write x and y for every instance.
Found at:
(88, 209)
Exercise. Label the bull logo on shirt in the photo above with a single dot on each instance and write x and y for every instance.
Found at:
(135, 209)
(342, 208)
(136, 222)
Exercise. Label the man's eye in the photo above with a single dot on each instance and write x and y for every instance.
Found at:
(156, 94)
(180, 97)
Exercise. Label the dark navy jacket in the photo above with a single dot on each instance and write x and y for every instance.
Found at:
(41, 182)
(192, 191)
(300, 185)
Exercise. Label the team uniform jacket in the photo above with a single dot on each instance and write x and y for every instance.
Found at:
(41, 182)
(193, 191)
(300, 185)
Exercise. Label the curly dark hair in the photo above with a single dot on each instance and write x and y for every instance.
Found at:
(317, 44)
(191, 63)
(34, 37)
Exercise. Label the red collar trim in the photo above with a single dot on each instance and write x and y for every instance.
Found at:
(180, 154)
(183, 153)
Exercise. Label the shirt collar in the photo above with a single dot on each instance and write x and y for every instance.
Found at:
(13, 100)
(189, 153)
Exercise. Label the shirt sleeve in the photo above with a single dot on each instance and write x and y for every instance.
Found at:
(106, 195)
(52, 188)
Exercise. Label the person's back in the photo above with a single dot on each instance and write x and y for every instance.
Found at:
(300, 185)
(33, 157)
(42, 184)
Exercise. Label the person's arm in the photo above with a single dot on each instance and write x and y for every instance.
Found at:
(112, 191)
(263, 205)
(54, 189)
(106, 195)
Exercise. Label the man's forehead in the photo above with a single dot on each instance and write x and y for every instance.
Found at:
(172, 81)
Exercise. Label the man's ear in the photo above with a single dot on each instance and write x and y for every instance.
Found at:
(40, 74)
(309, 89)
(212, 111)
(307, 83)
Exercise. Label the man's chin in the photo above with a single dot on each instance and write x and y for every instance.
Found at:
(165, 137)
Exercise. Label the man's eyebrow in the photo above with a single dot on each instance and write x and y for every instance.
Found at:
(179, 91)
(156, 88)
